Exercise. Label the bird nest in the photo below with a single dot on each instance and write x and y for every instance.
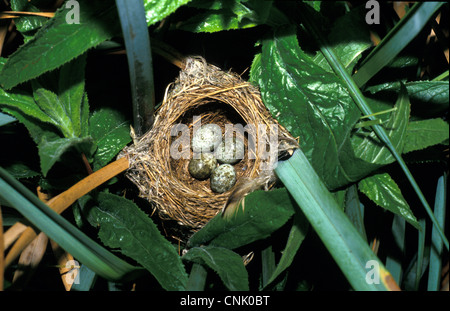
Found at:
(159, 159)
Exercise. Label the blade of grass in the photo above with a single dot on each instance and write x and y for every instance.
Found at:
(61, 231)
(64, 200)
(420, 254)
(393, 264)
(396, 40)
(137, 44)
(441, 77)
(358, 97)
(434, 274)
(343, 241)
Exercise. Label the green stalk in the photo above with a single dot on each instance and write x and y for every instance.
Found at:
(396, 40)
(345, 244)
(137, 43)
(420, 254)
(393, 264)
(358, 97)
(441, 77)
(440, 203)
(71, 239)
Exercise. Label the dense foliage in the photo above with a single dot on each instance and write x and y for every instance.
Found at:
(66, 110)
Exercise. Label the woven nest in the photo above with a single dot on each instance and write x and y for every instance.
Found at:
(217, 97)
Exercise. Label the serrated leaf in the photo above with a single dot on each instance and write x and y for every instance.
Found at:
(427, 97)
(58, 42)
(25, 102)
(383, 190)
(425, 133)
(51, 152)
(72, 95)
(156, 10)
(26, 24)
(20, 170)
(311, 103)
(349, 37)
(39, 131)
(263, 213)
(367, 145)
(111, 132)
(68, 110)
(124, 226)
(50, 104)
(396, 40)
(228, 265)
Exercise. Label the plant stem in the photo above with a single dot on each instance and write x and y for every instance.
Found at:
(137, 44)
(358, 97)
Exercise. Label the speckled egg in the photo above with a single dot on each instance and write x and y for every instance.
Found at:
(201, 167)
(206, 138)
(230, 151)
(223, 178)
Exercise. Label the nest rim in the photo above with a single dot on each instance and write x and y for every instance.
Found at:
(152, 167)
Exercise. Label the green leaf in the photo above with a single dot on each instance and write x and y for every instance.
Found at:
(296, 236)
(20, 170)
(340, 237)
(111, 132)
(383, 190)
(156, 10)
(26, 24)
(72, 95)
(349, 37)
(228, 265)
(137, 44)
(396, 40)
(98, 22)
(308, 18)
(355, 210)
(39, 131)
(123, 225)
(51, 152)
(425, 133)
(68, 110)
(313, 104)
(197, 278)
(50, 104)
(23, 101)
(264, 212)
(227, 15)
(427, 97)
(84, 249)
(368, 146)
(436, 254)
